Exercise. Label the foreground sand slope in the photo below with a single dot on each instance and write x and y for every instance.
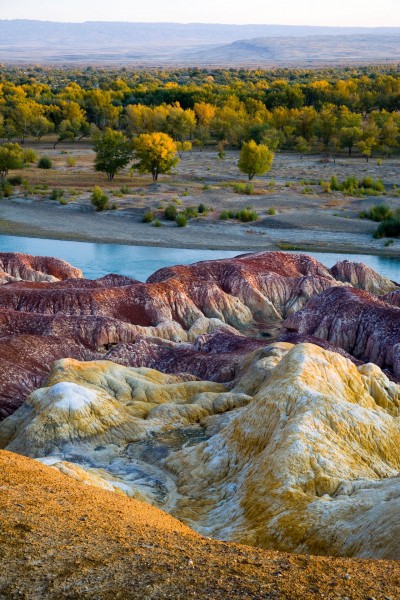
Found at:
(63, 539)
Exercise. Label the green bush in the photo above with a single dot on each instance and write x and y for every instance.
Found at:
(191, 212)
(181, 220)
(71, 161)
(29, 156)
(170, 213)
(148, 217)
(99, 199)
(389, 228)
(228, 214)
(353, 187)
(367, 182)
(6, 189)
(45, 163)
(335, 187)
(271, 211)
(56, 194)
(246, 215)
(378, 213)
(243, 188)
(157, 223)
(202, 209)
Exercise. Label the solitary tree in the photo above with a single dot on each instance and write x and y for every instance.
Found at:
(155, 153)
(255, 159)
(10, 158)
(113, 152)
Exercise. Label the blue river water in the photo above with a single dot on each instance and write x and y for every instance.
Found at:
(140, 262)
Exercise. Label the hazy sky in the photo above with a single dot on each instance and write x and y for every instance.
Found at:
(295, 12)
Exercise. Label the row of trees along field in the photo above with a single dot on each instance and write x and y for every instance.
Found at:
(348, 111)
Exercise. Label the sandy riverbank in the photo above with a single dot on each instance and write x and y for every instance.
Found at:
(22, 217)
(293, 211)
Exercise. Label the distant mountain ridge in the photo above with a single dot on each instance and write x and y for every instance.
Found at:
(198, 43)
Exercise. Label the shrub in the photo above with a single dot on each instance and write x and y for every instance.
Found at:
(246, 215)
(367, 182)
(29, 156)
(378, 213)
(170, 213)
(56, 194)
(99, 199)
(354, 187)
(157, 223)
(349, 185)
(6, 189)
(148, 217)
(71, 161)
(45, 163)
(181, 220)
(202, 209)
(326, 186)
(335, 184)
(389, 228)
(228, 214)
(271, 211)
(15, 180)
(190, 212)
(243, 188)
(124, 190)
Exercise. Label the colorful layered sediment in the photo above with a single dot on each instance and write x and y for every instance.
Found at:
(256, 399)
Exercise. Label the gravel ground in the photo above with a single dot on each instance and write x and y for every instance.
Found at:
(306, 217)
(306, 230)
(63, 539)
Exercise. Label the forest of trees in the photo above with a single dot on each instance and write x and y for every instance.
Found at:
(329, 111)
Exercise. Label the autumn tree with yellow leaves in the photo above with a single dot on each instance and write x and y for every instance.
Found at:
(155, 153)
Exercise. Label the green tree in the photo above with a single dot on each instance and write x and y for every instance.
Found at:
(10, 158)
(255, 159)
(113, 152)
(155, 153)
(302, 146)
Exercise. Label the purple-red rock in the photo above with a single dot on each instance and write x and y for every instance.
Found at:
(358, 322)
(362, 277)
(35, 268)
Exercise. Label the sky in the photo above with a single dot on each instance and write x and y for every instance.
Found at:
(369, 13)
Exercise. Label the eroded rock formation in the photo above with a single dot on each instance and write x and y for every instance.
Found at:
(15, 267)
(300, 455)
(362, 277)
(246, 295)
(358, 322)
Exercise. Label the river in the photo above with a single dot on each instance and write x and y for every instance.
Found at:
(140, 262)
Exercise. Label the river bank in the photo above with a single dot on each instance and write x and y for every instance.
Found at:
(46, 219)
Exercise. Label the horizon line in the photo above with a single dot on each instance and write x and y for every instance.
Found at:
(205, 23)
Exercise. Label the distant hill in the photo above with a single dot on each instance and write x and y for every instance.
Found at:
(316, 49)
(197, 43)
